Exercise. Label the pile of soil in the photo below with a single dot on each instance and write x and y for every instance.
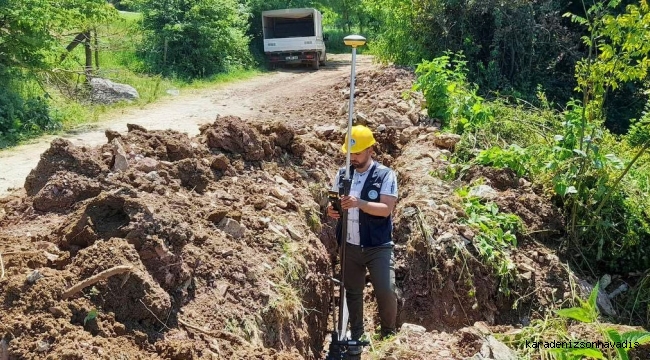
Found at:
(217, 230)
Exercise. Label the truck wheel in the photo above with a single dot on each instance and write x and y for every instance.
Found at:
(324, 60)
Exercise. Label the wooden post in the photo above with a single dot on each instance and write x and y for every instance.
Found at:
(165, 53)
(96, 50)
(89, 56)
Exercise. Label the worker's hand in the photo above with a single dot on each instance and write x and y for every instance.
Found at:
(349, 202)
(332, 213)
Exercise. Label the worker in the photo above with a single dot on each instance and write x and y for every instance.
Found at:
(373, 194)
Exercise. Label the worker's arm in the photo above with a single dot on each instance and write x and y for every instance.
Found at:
(382, 208)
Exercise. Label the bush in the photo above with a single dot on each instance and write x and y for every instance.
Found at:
(194, 38)
(450, 98)
(21, 116)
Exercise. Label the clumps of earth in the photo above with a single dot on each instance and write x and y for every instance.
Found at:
(217, 233)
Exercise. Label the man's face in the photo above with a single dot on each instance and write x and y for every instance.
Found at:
(360, 159)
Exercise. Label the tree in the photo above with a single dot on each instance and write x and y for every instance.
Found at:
(194, 38)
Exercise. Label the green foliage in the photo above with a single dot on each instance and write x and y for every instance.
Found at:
(588, 310)
(449, 97)
(570, 153)
(509, 45)
(514, 158)
(603, 342)
(92, 315)
(639, 133)
(29, 47)
(576, 354)
(30, 28)
(495, 234)
(21, 114)
(195, 38)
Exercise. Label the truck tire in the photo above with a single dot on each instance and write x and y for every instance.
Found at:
(322, 63)
(316, 64)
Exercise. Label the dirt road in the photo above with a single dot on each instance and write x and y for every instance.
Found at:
(263, 96)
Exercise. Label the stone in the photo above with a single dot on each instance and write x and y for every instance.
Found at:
(409, 133)
(343, 109)
(602, 300)
(50, 256)
(120, 160)
(391, 118)
(482, 327)
(280, 194)
(135, 127)
(232, 227)
(278, 230)
(483, 192)
(220, 162)
(362, 118)
(409, 211)
(147, 164)
(294, 234)
(34, 276)
(412, 328)
(446, 141)
(499, 350)
(526, 276)
(217, 215)
(111, 134)
(282, 181)
(57, 311)
(42, 346)
(222, 288)
(153, 176)
(104, 91)
(402, 107)
(414, 117)
(325, 130)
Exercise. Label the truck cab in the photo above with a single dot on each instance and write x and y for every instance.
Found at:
(293, 36)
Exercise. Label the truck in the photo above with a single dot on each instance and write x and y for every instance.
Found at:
(294, 36)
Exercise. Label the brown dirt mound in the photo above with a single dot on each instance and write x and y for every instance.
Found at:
(63, 156)
(63, 190)
(222, 244)
(500, 179)
(445, 285)
(542, 220)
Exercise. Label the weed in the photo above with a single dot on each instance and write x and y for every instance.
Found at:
(613, 345)
(495, 234)
(92, 314)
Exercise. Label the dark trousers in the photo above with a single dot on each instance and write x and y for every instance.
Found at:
(380, 263)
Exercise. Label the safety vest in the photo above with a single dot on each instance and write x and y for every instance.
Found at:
(373, 230)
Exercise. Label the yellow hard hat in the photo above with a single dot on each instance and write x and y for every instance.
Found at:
(362, 139)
